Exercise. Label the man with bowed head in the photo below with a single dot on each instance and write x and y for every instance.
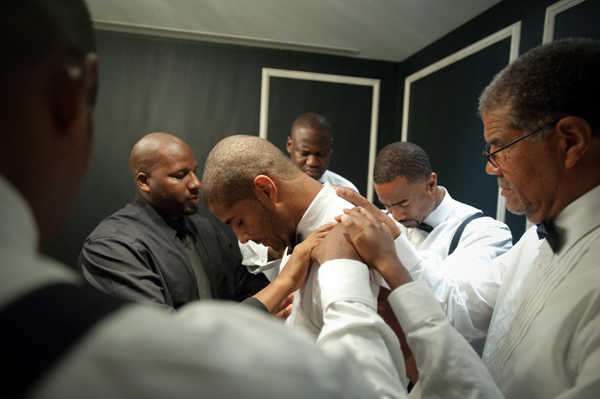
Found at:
(252, 186)
(443, 242)
(310, 145)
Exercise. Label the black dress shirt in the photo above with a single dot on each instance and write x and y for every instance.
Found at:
(135, 254)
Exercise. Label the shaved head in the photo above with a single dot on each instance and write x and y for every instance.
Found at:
(234, 163)
(151, 150)
(166, 174)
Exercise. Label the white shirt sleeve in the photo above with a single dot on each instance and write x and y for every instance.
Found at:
(350, 318)
(207, 349)
(466, 282)
(448, 366)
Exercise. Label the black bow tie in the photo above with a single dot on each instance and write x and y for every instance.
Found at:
(546, 231)
(425, 227)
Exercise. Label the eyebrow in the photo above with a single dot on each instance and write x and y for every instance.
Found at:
(397, 203)
(495, 141)
(186, 169)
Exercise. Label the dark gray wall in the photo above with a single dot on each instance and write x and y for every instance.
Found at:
(442, 117)
(202, 93)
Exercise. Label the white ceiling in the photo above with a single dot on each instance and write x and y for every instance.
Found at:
(390, 30)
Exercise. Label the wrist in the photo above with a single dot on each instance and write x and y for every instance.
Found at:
(393, 272)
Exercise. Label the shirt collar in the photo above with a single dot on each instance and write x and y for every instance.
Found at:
(578, 218)
(323, 178)
(440, 214)
(316, 212)
(164, 222)
(18, 228)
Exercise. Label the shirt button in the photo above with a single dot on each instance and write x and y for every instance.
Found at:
(539, 264)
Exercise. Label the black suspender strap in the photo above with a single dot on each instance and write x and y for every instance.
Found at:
(38, 329)
(459, 231)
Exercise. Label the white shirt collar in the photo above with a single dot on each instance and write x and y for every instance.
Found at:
(440, 214)
(18, 230)
(578, 218)
(316, 212)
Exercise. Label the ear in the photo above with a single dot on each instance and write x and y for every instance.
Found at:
(74, 84)
(432, 182)
(575, 135)
(141, 182)
(265, 189)
(288, 145)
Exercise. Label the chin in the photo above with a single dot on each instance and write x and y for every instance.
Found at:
(278, 248)
(314, 175)
(190, 211)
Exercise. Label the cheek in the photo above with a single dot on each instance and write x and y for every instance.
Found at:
(299, 160)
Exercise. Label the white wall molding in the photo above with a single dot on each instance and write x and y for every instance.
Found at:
(514, 32)
(268, 73)
(551, 13)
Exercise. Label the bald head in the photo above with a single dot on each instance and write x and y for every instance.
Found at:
(165, 172)
(152, 150)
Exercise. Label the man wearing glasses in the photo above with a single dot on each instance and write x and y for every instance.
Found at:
(541, 120)
(542, 125)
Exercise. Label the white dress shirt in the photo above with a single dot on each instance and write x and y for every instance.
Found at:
(544, 336)
(335, 179)
(464, 287)
(307, 309)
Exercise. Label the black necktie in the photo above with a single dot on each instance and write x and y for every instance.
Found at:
(425, 227)
(202, 281)
(546, 231)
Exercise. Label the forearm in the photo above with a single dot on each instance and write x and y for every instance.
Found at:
(274, 294)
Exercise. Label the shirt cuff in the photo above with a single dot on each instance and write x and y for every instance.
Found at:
(254, 303)
(345, 280)
(407, 253)
(413, 303)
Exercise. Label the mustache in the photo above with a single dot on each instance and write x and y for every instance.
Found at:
(502, 182)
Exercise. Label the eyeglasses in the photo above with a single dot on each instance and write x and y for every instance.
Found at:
(491, 157)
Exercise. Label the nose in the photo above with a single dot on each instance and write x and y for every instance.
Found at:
(491, 169)
(194, 183)
(312, 160)
(397, 214)
(242, 235)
